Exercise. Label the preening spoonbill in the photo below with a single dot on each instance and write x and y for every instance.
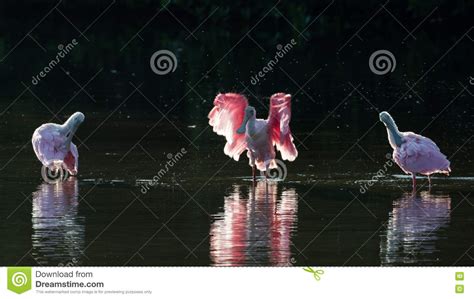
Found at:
(53, 145)
(414, 153)
(233, 118)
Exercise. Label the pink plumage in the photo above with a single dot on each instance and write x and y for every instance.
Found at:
(414, 153)
(52, 144)
(279, 122)
(419, 154)
(233, 118)
(225, 118)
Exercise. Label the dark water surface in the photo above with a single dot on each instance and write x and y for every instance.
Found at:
(206, 211)
(333, 208)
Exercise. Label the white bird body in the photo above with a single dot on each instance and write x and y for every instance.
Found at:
(257, 136)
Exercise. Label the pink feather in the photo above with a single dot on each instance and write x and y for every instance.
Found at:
(71, 160)
(225, 118)
(49, 146)
(279, 125)
(261, 135)
(419, 154)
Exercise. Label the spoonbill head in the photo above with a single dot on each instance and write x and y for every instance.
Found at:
(250, 113)
(386, 118)
(53, 144)
(414, 153)
(394, 136)
(233, 118)
(71, 125)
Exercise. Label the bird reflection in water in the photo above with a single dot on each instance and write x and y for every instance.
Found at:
(415, 224)
(255, 227)
(58, 230)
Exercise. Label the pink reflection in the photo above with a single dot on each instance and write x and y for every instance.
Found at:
(415, 225)
(58, 231)
(255, 227)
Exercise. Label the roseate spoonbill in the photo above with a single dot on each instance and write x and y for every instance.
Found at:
(53, 145)
(233, 118)
(414, 153)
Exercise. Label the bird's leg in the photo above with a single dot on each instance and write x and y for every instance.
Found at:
(266, 170)
(254, 167)
(253, 173)
(414, 182)
(429, 183)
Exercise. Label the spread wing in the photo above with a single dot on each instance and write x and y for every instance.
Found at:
(225, 118)
(279, 125)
